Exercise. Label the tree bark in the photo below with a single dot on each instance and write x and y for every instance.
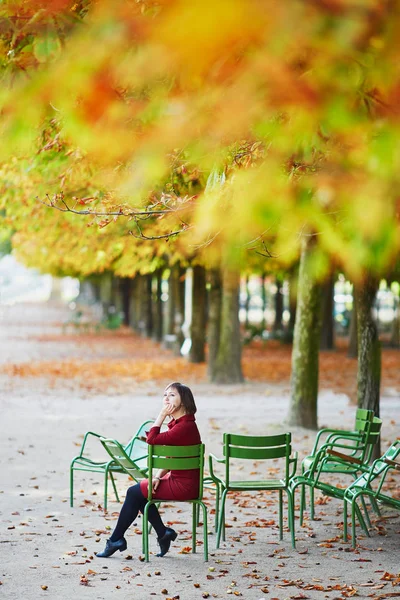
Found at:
(134, 305)
(173, 339)
(263, 301)
(395, 331)
(303, 405)
(228, 368)
(179, 294)
(198, 327)
(327, 341)
(157, 306)
(369, 348)
(278, 301)
(147, 312)
(171, 306)
(214, 319)
(352, 351)
(247, 302)
(125, 291)
(369, 351)
(292, 303)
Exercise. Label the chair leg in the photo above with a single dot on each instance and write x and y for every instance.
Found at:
(375, 506)
(221, 519)
(114, 486)
(302, 501)
(367, 519)
(205, 530)
(71, 486)
(290, 498)
(356, 511)
(194, 526)
(105, 488)
(344, 520)
(361, 519)
(312, 503)
(217, 494)
(145, 531)
(353, 524)
(280, 516)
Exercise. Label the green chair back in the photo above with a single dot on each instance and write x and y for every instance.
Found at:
(176, 458)
(362, 415)
(133, 466)
(266, 447)
(372, 436)
(255, 448)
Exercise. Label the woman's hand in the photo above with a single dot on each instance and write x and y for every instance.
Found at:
(156, 483)
(166, 411)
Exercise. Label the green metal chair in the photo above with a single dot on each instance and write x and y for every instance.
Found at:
(370, 484)
(260, 448)
(350, 442)
(330, 436)
(136, 449)
(329, 460)
(177, 458)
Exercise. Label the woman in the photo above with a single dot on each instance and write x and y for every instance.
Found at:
(180, 407)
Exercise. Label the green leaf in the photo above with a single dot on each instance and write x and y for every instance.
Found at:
(47, 48)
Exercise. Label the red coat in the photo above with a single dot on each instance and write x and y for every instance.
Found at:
(175, 485)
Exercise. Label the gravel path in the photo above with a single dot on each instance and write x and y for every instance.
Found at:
(47, 548)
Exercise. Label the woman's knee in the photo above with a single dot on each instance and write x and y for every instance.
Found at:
(134, 492)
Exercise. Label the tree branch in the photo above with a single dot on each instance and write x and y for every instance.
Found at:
(119, 213)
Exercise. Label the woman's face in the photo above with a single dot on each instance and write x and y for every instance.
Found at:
(172, 398)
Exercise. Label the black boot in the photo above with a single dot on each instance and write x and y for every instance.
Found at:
(169, 536)
(112, 547)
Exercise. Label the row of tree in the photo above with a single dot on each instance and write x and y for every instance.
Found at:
(226, 136)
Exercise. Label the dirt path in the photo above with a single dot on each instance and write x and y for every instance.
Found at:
(43, 542)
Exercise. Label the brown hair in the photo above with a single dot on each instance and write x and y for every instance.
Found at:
(186, 396)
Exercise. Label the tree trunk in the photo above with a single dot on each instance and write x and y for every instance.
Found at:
(147, 313)
(173, 337)
(171, 306)
(292, 303)
(303, 404)
(125, 291)
(214, 319)
(327, 334)
(278, 300)
(228, 368)
(178, 281)
(247, 301)
(56, 291)
(263, 301)
(395, 331)
(352, 351)
(369, 351)
(157, 307)
(369, 348)
(133, 304)
(198, 328)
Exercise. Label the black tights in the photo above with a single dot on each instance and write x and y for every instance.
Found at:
(134, 502)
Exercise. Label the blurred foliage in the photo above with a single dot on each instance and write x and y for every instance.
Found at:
(291, 106)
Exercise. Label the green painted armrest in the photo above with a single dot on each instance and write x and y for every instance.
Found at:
(210, 462)
(87, 434)
(293, 460)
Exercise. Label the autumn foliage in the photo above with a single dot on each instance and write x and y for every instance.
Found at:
(314, 86)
